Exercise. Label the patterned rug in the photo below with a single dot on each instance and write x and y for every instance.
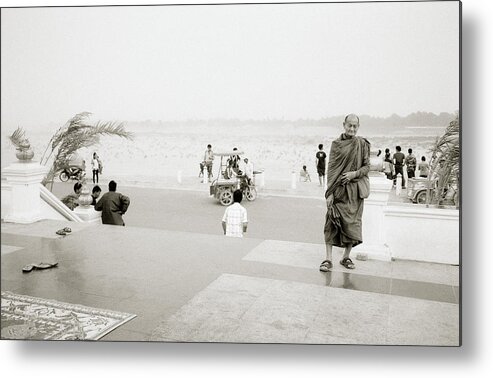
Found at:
(31, 318)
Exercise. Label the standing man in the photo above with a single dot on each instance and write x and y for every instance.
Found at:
(398, 164)
(410, 164)
(347, 187)
(235, 219)
(320, 162)
(208, 158)
(113, 205)
(248, 171)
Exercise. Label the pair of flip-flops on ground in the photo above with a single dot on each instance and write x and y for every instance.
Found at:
(327, 264)
(40, 266)
(64, 231)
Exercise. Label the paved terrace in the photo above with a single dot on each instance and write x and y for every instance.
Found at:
(186, 282)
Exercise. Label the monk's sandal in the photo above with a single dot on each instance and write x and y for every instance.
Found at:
(326, 266)
(347, 263)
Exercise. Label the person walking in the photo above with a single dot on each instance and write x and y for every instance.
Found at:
(347, 187)
(398, 165)
(113, 206)
(95, 168)
(208, 158)
(235, 220)
(320, 163)
(410, 162)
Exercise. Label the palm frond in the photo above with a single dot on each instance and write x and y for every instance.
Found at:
(77, 134)
(445, 159)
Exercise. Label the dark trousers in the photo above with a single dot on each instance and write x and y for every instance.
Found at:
(410, 173)
(95, 176)
(398, 169)
(208, 164)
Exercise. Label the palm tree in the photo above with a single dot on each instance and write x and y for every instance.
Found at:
(74, 135)
(445, 161)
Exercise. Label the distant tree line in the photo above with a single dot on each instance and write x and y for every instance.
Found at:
(374, 123)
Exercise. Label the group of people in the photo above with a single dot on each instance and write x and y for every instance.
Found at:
(320, 157)
(394, 165)
(236, 167)
(113, 205)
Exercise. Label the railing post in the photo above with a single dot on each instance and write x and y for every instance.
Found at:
(398, 184)
(24, 178)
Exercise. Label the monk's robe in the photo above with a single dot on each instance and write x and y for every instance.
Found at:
(343, 219)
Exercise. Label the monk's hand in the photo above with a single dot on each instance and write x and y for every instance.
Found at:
(347, 177)
(330, 200)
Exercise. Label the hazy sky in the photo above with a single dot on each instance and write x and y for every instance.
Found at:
(256, 61)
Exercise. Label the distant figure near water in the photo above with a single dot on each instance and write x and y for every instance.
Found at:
(113, 206)
(423, 167)
(304, 175)
(399, 158)
(208, 158)
(347, 187)
(320, 163)
(96, 168)
(410, 163)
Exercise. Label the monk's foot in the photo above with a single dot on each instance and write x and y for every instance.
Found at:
(347, 263)
(326, 266)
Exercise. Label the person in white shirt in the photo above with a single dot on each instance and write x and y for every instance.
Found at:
(235, 219)
(248, 171)
(95, 168)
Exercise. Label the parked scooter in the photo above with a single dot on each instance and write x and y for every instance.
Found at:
(72, 172)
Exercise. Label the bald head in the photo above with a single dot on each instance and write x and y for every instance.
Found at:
(351, 117)
(351, 125)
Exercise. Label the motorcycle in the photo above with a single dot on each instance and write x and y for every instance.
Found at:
(72, 172)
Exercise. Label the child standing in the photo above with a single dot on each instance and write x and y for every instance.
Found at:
(235, 220)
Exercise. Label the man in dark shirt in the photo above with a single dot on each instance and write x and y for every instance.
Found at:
(113, 205)
(398, 165)
(320, 162)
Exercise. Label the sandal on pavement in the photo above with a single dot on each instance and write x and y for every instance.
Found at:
(347, 263)
(326, 266)
(67, 229)
(40, 266)
(61, 232)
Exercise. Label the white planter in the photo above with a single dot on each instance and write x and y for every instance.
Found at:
(423, 234)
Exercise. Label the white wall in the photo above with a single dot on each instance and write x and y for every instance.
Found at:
(422, 234)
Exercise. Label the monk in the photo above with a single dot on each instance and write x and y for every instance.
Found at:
(347, 186)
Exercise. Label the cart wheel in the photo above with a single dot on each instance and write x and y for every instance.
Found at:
(421, 197)
(250, 193)
(63, 176)
(226, 197)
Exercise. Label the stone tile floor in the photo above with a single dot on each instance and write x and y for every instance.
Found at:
(187, 286)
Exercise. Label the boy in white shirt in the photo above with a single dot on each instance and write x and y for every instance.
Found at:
(235, 220)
